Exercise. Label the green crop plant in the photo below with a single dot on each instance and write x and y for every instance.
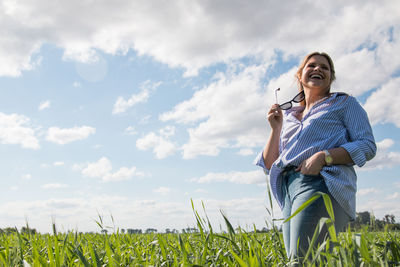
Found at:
(206, 247)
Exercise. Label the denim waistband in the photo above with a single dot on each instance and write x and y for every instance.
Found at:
(288, 169)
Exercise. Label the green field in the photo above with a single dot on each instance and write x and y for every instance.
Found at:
(204, 248)
(234, 247)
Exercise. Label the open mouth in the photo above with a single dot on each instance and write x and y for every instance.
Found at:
(316, 76)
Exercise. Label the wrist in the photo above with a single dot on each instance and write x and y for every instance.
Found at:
(321, 158)
(328, 160)
(277, 129)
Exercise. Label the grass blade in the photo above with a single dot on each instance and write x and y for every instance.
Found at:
(313, 198)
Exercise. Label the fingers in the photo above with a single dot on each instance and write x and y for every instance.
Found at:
(299, 167)
(275, 106)
(309, 167)
(275, 117)
(275, 109)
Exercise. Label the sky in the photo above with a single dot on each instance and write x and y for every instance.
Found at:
(130, 110)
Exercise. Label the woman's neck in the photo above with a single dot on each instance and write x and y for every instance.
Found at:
(313, 96)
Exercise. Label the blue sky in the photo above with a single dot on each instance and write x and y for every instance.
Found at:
(133, 109)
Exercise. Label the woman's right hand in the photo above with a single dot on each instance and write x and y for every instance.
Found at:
(271, 150)
(275, 117)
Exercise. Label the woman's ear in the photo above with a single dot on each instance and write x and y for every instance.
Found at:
(299, 76)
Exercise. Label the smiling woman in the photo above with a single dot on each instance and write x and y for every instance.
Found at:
(313, 149)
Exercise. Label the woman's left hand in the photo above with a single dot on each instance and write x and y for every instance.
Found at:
(313, 165)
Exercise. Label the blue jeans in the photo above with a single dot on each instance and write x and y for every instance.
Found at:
(297, 189)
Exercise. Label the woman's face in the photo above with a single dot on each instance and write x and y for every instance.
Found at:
(316, 73)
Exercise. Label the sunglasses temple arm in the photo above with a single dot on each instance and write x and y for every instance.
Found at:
(276, 95)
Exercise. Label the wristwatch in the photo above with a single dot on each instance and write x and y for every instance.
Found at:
(328, 158)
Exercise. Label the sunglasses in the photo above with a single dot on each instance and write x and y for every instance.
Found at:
(297, 99)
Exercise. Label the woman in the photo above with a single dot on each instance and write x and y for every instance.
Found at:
(313, 147)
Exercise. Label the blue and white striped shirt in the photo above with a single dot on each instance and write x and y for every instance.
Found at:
(338, 121)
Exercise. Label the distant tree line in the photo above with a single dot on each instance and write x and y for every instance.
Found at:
(152, 230)
(24, 230)
(365, 218)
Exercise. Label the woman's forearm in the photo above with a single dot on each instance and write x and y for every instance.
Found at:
(314, 164)
(340, 156)
(271, 150)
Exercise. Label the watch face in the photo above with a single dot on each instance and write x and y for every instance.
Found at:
(328, 159)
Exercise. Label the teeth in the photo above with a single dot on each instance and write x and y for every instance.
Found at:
(316, 76)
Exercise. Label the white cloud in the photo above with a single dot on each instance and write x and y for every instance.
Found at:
(98, 169)
(14, 129)
(287, 84)
(231, 113)
(380, 206)
(385, 144)
(76, 84)
(354, 80)
(380, 105)
(161, 145)
(252, 177)
(162, 190)
(367, 191)
(122, 174)
(43, 105)
(145, 119)
(121, 105)
(78, 167)
(58, 163)
(54, 186)
(167, 131)
(246, 152)
(67, 135)
(27, 176)
(170, 33)
(94, 68)
(201, 191)
(130, 130)
(102, 169)
(394, 196)
(384, 158)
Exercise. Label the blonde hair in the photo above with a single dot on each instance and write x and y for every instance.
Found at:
(303, 64)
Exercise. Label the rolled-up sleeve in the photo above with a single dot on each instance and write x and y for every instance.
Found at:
(259, 161)
(361, 146)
